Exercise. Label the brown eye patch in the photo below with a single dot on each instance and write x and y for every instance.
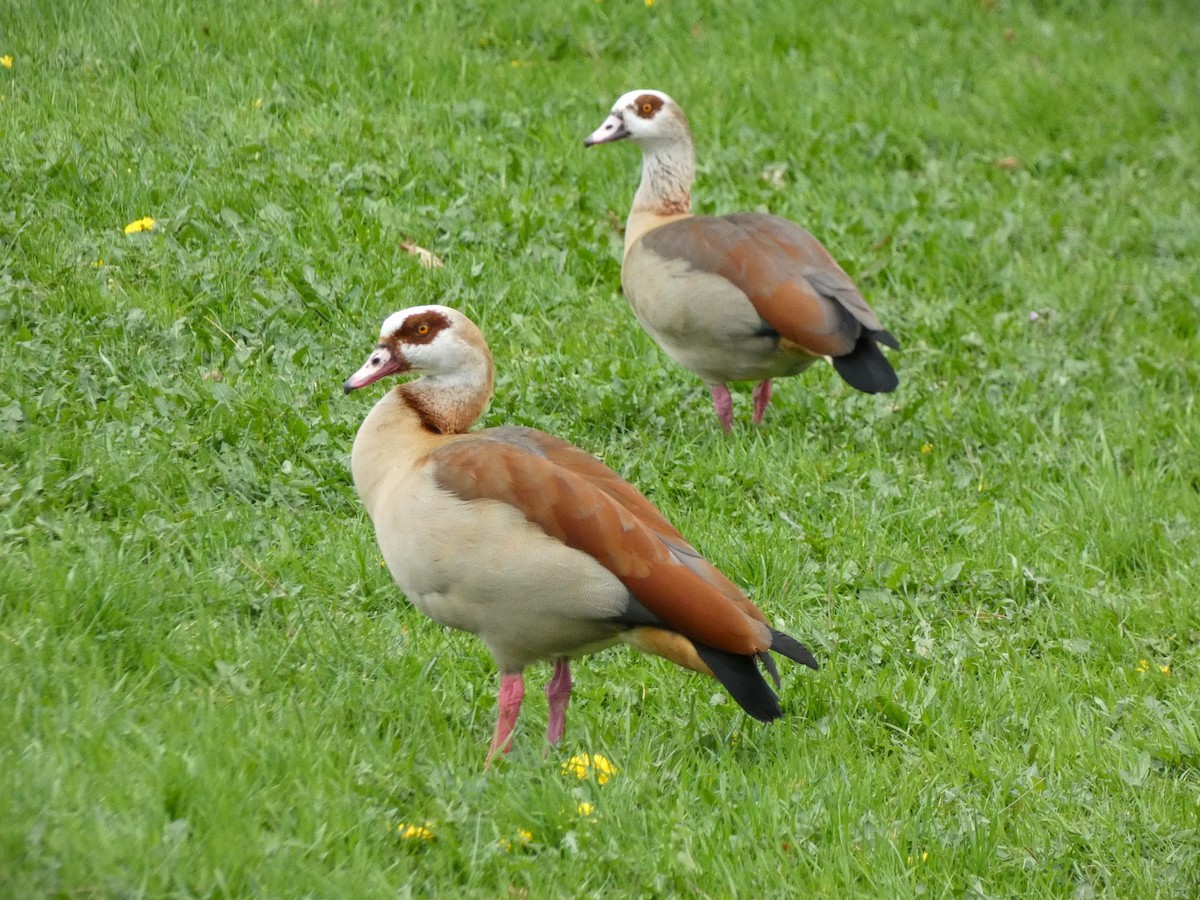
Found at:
(423, 327)
(647, 105)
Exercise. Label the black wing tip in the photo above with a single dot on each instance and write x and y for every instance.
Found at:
(865, 368)
(768, 663)
(788, 646)
(884, 337)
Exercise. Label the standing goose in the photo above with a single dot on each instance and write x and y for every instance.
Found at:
(743, 297)
(530, 543)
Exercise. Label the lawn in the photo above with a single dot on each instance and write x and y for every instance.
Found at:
(209, 686)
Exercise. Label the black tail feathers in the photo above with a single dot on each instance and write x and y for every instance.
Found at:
(742, 678)
(865, 367)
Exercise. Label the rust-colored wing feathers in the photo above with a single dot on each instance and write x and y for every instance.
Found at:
(791, 280)
(567, 455)
(576, 499)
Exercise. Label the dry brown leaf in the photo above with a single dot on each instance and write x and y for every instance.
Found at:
(427, 259)
(1008, 163)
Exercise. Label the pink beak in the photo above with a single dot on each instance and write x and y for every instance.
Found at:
(611, 129)
(378, 365)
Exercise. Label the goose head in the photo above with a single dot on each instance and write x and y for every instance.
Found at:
(646, 117)
(448, 353)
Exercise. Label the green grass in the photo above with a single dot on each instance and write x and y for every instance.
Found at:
(209, 685)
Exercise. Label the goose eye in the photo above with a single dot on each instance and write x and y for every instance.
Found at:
(423, 328)
(647, 108)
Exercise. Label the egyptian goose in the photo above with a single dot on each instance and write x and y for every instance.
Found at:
(530, 543)
(743, 297)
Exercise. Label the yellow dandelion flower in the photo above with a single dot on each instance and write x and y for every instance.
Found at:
(1143, 666)
(649, 2)
(927, 448)
(143, 224)
(583, 765)
(98, 264)
(586, 810)
(524, 836)
(415, 832)
(6, 61)
(1166, 670)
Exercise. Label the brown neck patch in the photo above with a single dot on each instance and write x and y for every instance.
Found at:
(675, 207)
(442, 413)
(430, 420)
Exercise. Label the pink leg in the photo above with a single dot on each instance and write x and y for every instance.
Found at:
(558, 693)
(762, 396)
(723, 404)
(512, 692)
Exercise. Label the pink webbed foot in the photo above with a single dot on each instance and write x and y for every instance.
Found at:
(762, 396)
(558, 695)
(723, 404)
(512, 692)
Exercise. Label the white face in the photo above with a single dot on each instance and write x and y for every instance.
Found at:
(640, 115)
(420, 339)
